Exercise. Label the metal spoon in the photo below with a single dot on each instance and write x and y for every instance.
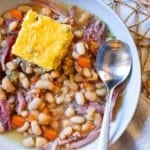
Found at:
(113, 64)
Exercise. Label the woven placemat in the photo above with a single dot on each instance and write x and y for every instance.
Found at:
(137, 20)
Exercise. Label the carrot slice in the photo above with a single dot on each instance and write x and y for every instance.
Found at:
(50, 134)
(16, 14)
(18, 121)
(84, 61)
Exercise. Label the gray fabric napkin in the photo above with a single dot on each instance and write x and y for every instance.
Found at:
(137, 135)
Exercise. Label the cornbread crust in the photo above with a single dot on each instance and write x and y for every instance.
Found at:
(42, 41)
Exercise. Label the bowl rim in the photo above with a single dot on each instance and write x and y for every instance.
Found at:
(115, 138)
(118, 19)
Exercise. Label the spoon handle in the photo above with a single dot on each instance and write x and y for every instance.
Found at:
(104, 134)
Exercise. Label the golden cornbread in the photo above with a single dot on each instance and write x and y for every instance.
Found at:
(42, 41)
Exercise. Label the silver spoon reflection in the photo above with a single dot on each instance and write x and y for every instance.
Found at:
(113, 64)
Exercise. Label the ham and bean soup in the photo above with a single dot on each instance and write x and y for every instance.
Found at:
(50, 91)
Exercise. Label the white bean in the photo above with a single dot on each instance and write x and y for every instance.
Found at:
(2, 95)
(24, 113)
(58, 111)
(49, 97)
(45, 11)
(90, 113)
(34, 104)
(78, 77)
(77, 127)
(99, 85)
(101, 92)
(72, 85)
(1, 37)
(35, 128)
(66, 123)
(7, 85)
(84, 18)
(29, 70)
(69, 112)
(11, 65)
(77, 119)
(90, 95)
(1, 21)
(45, 76)
(80, 48)
(28, 142)
(4, 44)
(80, 98)
(12, 26)
(40, 141)
(44, 84)
(97, 119)
(60, 99)
(24, 80)
(78, 34)
(44, 119)
(35, 113)
(24, 8)
(75, 54)
(86, 127)
(7, 15)
(54, 74)
(94, 76)
(2, 130)
(86, 72)
(65, 132)
(23, 128)
(55, 124)
(3, 31)
(64, 90)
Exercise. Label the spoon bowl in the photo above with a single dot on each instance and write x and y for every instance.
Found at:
(113, 64)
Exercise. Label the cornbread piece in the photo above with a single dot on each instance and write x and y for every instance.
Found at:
(42, 41)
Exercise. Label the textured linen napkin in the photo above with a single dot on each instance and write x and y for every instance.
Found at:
(137, 135)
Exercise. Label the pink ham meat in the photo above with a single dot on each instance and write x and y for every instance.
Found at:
(5, 115)
(68, 17)
(89, 138)
(96, 31)
(50, 5)
(6, 52)
(21, 102)
(83, 109)
(50, 146)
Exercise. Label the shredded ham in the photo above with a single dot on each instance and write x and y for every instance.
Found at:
(96, 31)
(83, 109)
(21, 102)
(71, 18)
(68, 18)
(6, 52)
(50, 5)
(5, 115)
(50, 146)
(71, 139)
(117, 92)
(89, 138)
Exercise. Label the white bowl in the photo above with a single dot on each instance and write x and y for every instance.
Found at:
(130, 100)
